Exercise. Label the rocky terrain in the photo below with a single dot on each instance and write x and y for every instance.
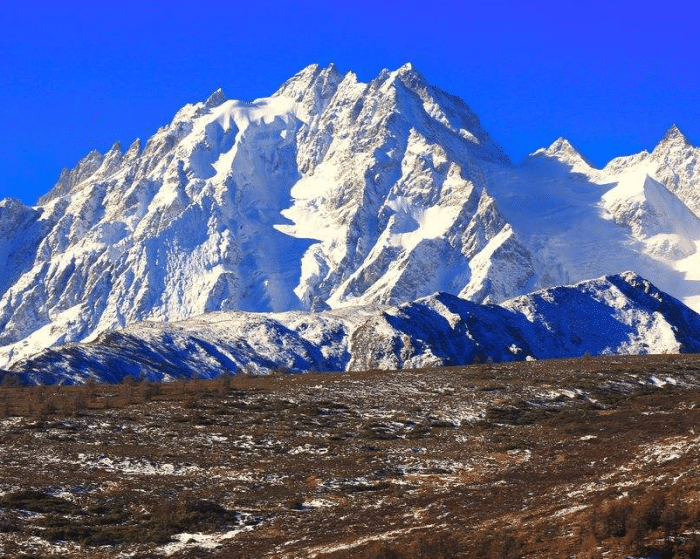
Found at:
(585, 458)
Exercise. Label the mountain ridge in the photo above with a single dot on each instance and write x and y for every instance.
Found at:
(330, 193)
(617, 314)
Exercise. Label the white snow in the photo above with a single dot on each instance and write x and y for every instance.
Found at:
(570, 510)
(672, 449)
(200, 540)
(135, 467)
(336, 193)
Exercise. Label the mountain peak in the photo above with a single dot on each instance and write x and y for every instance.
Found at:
(406, 68)
(295, 86)
(134, 148)
(215, 99)
(311, 88)
(673, 137)
(562, 145)
(564, 151)
(408, 75)
(300, 82)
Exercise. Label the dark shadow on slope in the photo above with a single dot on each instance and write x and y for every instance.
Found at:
(570, 323)
(116, 355)
(473, 333)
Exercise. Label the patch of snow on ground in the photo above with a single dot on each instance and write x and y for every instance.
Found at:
(308, 449)
(672, 450)
(127, 466)
(317, 503)
(199, 540)
(326, 549)
(570, 510)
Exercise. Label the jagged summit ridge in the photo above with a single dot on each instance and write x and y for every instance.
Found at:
(673, 136)
(305, 199)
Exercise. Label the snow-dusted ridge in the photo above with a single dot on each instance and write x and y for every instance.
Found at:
(620, 314)
(329, 194)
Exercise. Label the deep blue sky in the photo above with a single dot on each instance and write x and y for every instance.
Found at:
(80, 75)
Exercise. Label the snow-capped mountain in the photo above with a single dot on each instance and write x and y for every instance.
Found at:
(673, 162)
(329, 194)
(620, 314)
(579, 222)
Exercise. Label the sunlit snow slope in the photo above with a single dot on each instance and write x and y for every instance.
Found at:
(640, 213)
(331, 193)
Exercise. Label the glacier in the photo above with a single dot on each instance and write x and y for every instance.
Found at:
(332, 194)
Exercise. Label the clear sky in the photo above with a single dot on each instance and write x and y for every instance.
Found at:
(609, 76)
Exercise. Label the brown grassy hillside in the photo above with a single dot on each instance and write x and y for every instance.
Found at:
(578, 458)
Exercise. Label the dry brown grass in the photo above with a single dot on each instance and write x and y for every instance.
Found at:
(548, 459)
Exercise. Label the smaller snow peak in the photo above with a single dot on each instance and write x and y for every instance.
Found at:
(134, 148)
(675, 133)
(382, 76)
(409, 76)
(349, 78)
(562, 146)
(12, 204)
(312, 89)
(295, 86)
(85, 168)
(406, 69)
(565, 152)
(329, 78)
(116, 148)
(92, 155)
(332, 70)
(673, 137)
(215, 99)
(310, 70)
